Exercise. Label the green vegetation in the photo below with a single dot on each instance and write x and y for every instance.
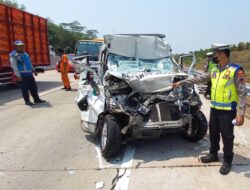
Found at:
(13, 3)
(240, 54)
(66, 35)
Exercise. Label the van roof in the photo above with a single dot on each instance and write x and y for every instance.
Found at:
(144, 46)
(156, 35)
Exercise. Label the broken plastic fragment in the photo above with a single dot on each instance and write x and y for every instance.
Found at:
(99, 185)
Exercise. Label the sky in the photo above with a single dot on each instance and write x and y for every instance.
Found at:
(188, 24)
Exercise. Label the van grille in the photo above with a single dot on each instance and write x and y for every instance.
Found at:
(164, 112)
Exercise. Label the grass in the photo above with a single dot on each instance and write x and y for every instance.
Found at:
(240, 57)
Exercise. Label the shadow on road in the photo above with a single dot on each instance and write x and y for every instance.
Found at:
(47, 85)
(173, 146)
(168, 147)
(243, 165)
(247, 174)
(92, 139)
(42, 105)
(9, 93)
(162, 149)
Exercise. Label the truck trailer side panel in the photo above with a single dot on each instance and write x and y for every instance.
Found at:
(20, 25)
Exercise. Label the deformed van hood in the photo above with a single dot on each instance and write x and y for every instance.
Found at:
(147, 82)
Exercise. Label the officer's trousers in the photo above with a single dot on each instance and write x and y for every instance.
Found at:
(221, 124)
(28, 83)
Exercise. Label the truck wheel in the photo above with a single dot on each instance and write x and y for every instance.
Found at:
(199, 128)
(110, 137)
(14, 85)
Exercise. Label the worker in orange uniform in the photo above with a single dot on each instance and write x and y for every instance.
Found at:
(64, 69)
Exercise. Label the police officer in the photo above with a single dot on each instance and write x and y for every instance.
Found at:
(23, 69)
(228, 90)
(208, 67)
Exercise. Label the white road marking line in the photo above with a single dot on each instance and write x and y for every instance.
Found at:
(123, 182)
(53, 90)
(15, 102)
(99, 156)
(50, 91)
(124, 171)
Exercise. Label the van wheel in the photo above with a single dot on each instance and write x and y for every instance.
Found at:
(199, 128)
(110, 137)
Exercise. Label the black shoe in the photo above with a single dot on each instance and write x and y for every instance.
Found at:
(29, 103)
(39, 101)
(209, 158)
(225, 168)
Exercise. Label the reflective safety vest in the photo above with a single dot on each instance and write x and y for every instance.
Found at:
(211, 65)
(224, 95)
(24, 64)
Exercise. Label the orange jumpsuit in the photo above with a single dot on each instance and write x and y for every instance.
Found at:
(64, 67)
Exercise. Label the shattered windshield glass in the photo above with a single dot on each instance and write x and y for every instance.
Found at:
(127, 65)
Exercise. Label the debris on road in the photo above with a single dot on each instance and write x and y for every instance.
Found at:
(99, 185)
(71, 172)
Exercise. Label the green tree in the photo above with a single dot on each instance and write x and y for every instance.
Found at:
(74, 26)
(65, 35)
(13, 3)
(248, 45)
(241, 46)
(90, 34)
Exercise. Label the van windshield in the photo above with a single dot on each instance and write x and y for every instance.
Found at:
(127, 65)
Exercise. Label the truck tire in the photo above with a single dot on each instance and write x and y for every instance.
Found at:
(110, 137)
(199, 128)
(14, 85)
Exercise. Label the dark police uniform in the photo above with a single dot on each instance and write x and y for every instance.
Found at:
(228, 92)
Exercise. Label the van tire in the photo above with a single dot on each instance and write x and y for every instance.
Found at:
(199, 128)
(110, 137)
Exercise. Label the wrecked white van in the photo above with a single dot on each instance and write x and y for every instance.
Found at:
(128, 94)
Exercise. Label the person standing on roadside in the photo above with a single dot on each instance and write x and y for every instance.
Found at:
(208, 67)
(227, 92)
(64, 69)
(23, 69)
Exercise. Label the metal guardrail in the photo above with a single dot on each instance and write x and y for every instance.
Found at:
(199, 72)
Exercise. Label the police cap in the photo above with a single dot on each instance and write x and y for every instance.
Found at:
(19, 43)
(220, 47)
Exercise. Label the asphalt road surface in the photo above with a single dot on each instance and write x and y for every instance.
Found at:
(43, 147)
